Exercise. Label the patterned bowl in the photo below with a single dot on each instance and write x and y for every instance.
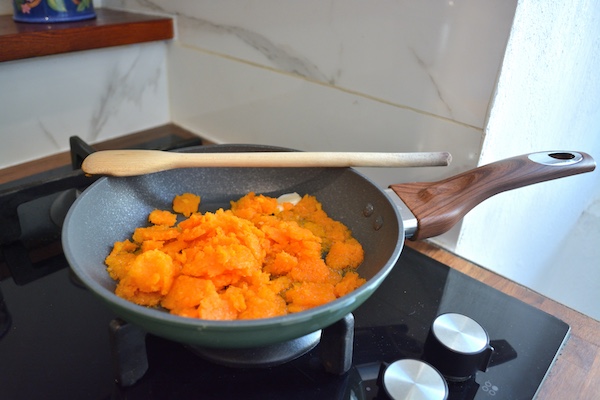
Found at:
(48, 11)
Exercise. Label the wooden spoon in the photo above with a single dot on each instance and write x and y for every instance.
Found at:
(139, 162)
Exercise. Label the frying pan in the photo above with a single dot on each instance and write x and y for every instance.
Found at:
(110, 209)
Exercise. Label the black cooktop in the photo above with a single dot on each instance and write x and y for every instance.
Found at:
(54, 344)
(57, 341)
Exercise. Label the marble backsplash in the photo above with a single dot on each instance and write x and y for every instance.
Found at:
(314, 75)
(435, 57)
(97, 95)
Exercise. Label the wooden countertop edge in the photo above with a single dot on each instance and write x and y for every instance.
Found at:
(577, 368)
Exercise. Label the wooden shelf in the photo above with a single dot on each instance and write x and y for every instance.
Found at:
(19, 40)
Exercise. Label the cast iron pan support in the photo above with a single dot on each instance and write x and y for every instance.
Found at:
(130, 359)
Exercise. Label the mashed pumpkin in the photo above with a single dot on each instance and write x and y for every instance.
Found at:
(261, 258)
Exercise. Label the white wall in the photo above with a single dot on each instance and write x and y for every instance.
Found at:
(546, 236)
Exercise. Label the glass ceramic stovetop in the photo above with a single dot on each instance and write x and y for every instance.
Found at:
(55, 344)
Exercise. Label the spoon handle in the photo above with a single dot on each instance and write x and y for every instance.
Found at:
(139, 162)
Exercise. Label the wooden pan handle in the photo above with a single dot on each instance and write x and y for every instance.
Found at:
(438, 206)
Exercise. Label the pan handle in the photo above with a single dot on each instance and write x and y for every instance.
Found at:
(438, 206)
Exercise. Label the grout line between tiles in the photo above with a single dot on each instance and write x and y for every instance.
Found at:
(342, 89)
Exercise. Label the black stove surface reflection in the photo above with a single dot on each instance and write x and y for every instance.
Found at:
(56, 344)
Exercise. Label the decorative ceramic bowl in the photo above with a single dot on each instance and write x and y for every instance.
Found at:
(48, 11)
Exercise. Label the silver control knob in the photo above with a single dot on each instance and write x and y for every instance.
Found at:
(457, 346)
(410, 379)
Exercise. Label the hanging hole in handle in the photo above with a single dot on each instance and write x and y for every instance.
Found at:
(562, 156)
(556, 158)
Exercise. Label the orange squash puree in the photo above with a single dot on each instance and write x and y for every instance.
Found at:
(259, 259)
(186, 204)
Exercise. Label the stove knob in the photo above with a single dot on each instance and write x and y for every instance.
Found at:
(457, 346)
(410, 379)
